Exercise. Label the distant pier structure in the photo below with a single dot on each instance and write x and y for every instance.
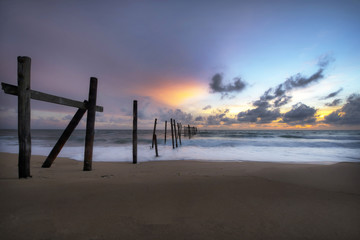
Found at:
(176, 128)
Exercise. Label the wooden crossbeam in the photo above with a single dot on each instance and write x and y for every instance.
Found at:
(13, 90)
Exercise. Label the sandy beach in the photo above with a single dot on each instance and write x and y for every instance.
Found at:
(179, 200)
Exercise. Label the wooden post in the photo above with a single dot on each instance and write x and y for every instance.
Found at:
(179, 132)
(172, 132)
(156, 148)
(189, 131)
(24, 65)
(176, 142)
(90, 125)
(153, 140)
(165, 132)
(135, 132)
(64, 137)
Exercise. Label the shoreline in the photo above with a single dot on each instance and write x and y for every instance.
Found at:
(318, 162)
(179, 200)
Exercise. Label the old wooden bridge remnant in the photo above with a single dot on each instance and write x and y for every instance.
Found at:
(176, 132)
(25, 93)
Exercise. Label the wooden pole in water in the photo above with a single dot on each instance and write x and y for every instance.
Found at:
(172, 132)
(156, 148)
(179, 132)
(176, 142)
(153, 140)
(90, 125)
(24, 65)
(134, 132)
(64, 137)
(189, 132)
(165, 131)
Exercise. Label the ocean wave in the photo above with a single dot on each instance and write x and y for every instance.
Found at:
(254, 145)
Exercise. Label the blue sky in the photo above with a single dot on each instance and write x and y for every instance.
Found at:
(165, 54)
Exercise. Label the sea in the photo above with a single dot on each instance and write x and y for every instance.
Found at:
(288, 146)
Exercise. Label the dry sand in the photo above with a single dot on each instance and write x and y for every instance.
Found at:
(179, 200)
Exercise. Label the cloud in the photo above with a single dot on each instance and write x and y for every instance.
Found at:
(267, 107)
(283, 100)
(334, 103)
(67, 117)
(300, 114)
(300, 81)
(349, 114)
(199, 119)
(207, 107)
(324, 60)
(261, 114)
(219, 118)
(296, 81)
(333, 94)
(176, 114)
(217, 85)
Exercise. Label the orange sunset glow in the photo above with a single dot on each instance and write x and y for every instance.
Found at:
(175, 93)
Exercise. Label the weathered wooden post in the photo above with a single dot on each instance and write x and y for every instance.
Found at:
(64, 137)
(24, 66)
(135, 132)
(90, 124)
(176, 142)
(172, 132)
(25, 93)
(179, 132)
(153, 140)
(165, 132)
(156, 148)
(189, 132)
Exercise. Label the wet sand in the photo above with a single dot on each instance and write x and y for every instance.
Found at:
(179, 200)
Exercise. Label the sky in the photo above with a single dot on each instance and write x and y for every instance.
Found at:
(212, 64)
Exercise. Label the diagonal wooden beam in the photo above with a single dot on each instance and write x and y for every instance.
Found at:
(64, 137)
(13, 90)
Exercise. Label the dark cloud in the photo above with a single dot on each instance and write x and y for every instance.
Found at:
(267, 107)
(300, 81)
(199, 119)
(177, 114)
(217, 85)
(207, 107)
(333, 94)
(282, 101)
(300, 114)
(325, 60)
(67, 117)
(334, 103)
(296, 81)
(219, 118)
(261, 114)
(349, 114)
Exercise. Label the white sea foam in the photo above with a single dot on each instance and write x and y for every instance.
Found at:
(274, 146)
